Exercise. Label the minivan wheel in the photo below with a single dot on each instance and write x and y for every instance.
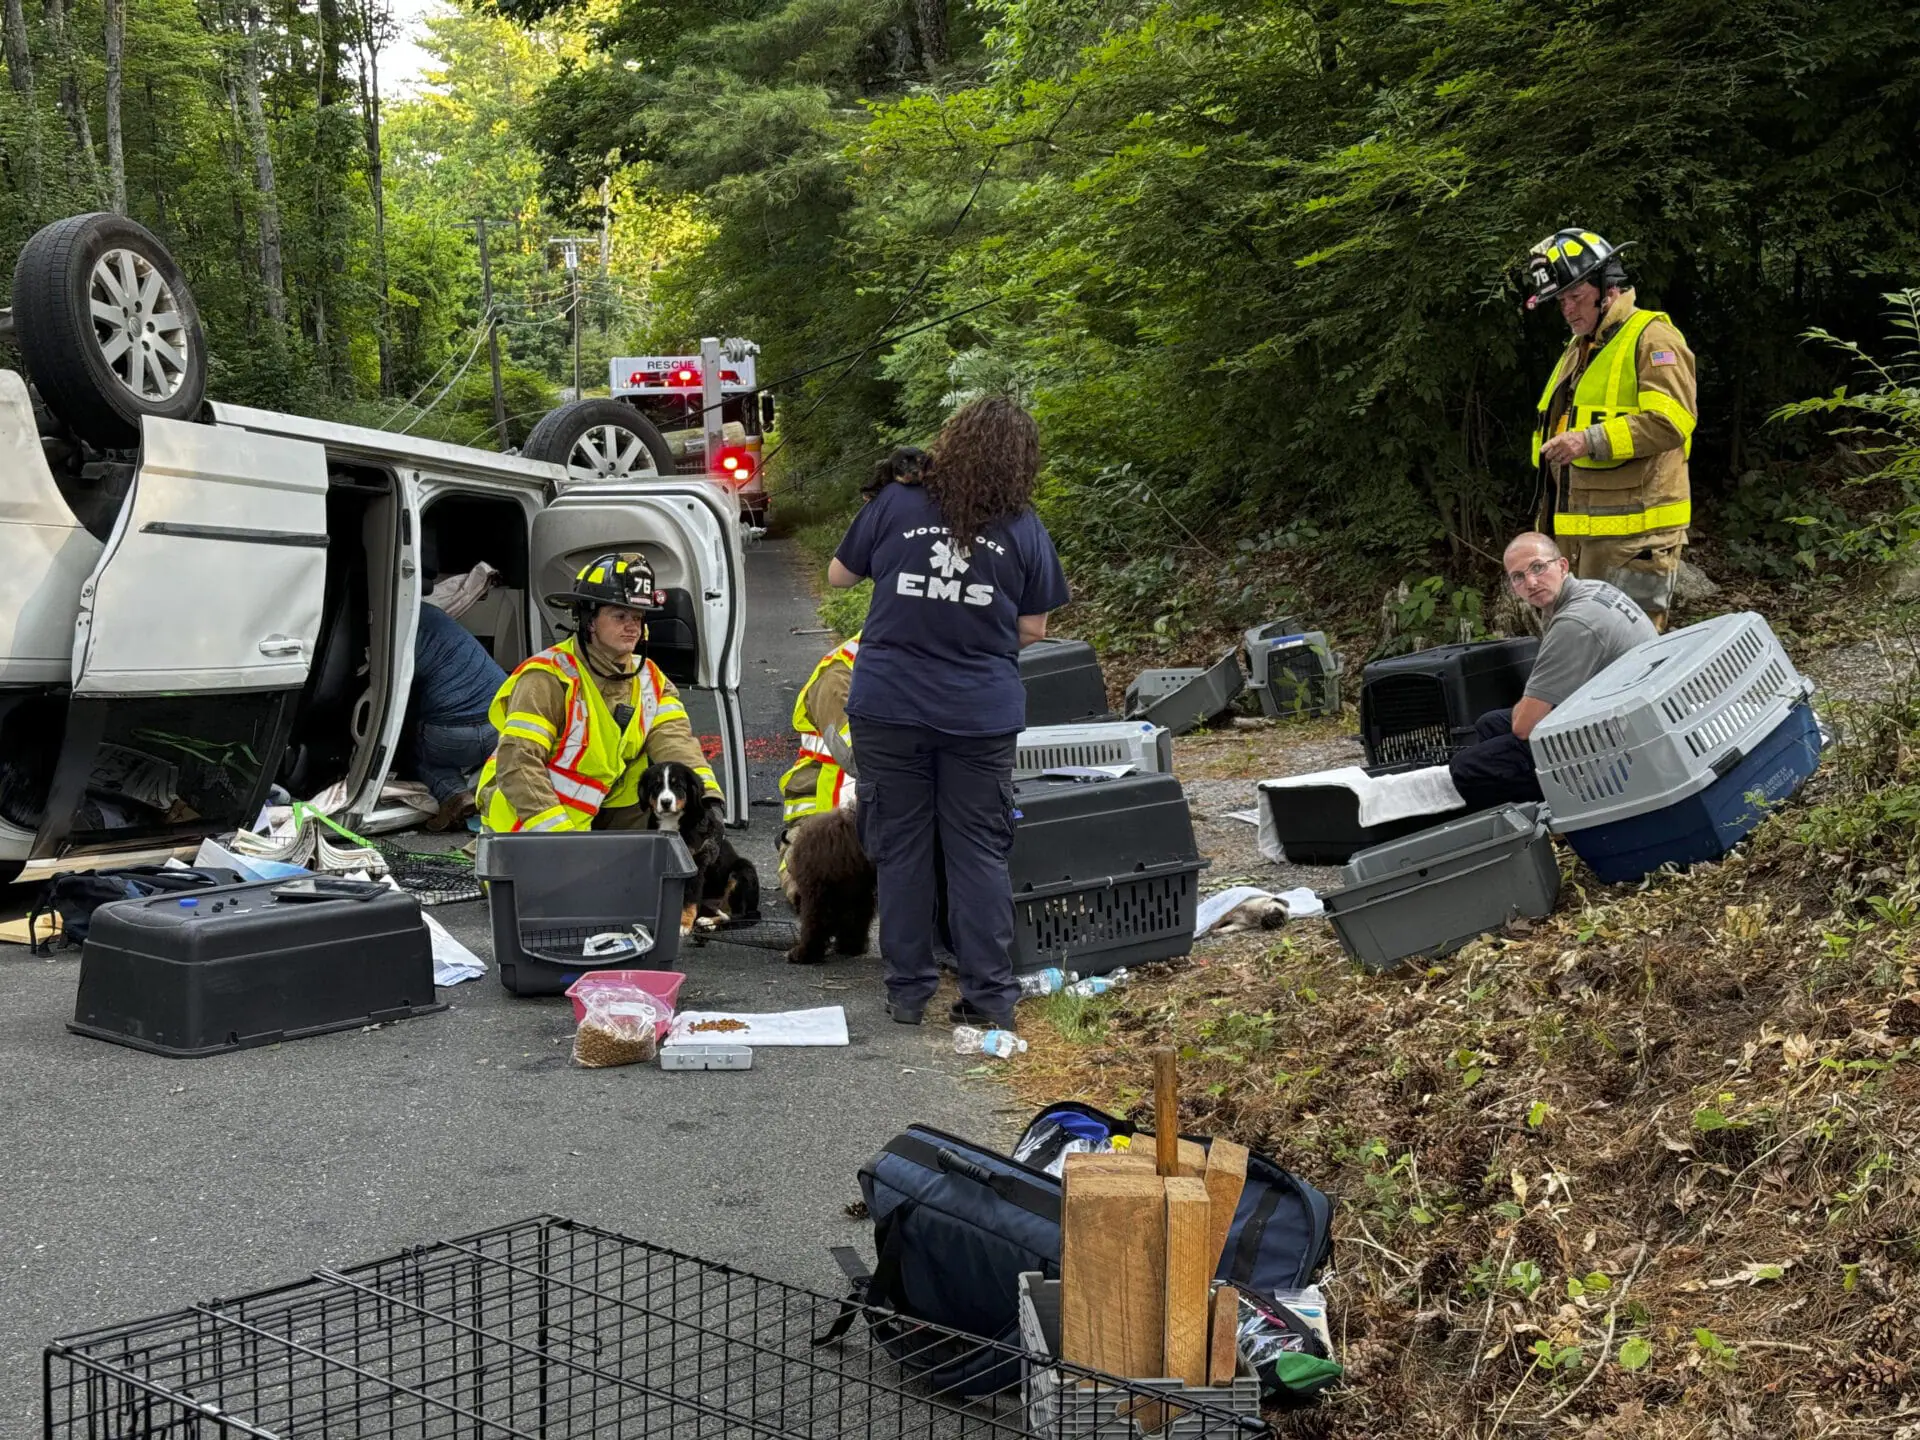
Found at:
(107, 328)
(600, 440)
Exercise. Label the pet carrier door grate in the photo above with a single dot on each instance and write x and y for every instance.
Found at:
(1407, 721)
(1127, 912)
(549, 1330)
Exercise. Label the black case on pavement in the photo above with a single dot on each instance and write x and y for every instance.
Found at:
(1418, 709)
(1065, 685)
(233, 967)
(1105, 872)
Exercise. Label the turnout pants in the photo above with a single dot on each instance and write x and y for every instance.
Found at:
(919, 786)
(1497, 769)
(1642, 567)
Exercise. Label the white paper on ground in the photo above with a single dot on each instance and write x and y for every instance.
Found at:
(1245, 817)
(1382, 798)
(825, 1026)
(1301, 903)
(452, 961)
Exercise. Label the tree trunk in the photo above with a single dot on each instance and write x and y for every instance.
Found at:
(19, 59)
(375, 20)
(116, 18)
(932, 18)
(68, 67)
(271, 275)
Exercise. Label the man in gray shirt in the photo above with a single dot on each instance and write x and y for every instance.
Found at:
(1585, 626)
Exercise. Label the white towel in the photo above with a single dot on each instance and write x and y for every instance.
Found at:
(1382, 798)
(457, 594)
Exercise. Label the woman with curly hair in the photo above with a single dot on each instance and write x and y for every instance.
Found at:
(963, 576)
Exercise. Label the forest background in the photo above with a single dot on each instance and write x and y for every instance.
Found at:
(1253, 263)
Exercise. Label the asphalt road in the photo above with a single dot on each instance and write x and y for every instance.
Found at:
(132, 1184)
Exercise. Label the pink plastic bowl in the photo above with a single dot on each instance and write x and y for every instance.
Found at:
(664, 985)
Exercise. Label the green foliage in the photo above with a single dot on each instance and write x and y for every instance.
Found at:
(1884, 428)
(452, 151)
(1251, 262)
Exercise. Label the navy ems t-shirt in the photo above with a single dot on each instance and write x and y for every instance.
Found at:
(941, 644)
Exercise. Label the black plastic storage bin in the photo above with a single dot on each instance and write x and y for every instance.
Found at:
(548, 893)
(1320, 824)
(233, 967)
(1418, 709)
(1064, 683)
(1105, 872)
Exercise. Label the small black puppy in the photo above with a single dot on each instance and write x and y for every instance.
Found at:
(830, 881)
(905, 464)
(725, 885)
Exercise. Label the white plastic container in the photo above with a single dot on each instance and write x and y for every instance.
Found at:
(1139, 743)
(1664, 721)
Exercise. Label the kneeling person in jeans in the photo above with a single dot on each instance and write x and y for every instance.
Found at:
(453, 683)
(1586, 626)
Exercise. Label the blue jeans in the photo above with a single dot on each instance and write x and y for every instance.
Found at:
(929, 800)
(445, 755)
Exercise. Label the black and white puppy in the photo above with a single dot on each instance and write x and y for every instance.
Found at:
(827, 877)
(725, 885)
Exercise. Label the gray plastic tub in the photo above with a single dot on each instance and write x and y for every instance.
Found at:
(1183, 699)
(548, 892)
(1430, 893)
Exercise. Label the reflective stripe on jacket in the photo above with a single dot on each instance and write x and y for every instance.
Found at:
(818, 780)
(591, 762)
(1638, 387)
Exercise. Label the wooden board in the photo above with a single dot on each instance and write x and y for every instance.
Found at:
(1110, 1162)
(1189, 1274)
(1223, 1349)
(1192, 1159)
(1226, 1177)
(1113, 1272)
(14, 932)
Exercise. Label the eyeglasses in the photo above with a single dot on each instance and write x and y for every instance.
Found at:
(1517, 578)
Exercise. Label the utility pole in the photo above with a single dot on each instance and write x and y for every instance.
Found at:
(570, 251)
(493, 335)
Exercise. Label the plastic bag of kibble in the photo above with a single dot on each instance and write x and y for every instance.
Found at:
(621, 1027)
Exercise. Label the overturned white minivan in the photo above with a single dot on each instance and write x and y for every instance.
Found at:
(200, 600)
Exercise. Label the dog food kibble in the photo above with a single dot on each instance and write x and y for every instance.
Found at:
(706, 1026)
(600, 1042)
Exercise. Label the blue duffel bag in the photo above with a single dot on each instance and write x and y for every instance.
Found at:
(955, 1224)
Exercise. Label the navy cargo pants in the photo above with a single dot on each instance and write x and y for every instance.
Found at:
(916, 783)
(1497, 769)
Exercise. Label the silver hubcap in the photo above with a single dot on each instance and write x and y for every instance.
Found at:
(139, 327)
(607, 452)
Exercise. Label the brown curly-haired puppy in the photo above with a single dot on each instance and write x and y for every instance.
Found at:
(828, 879)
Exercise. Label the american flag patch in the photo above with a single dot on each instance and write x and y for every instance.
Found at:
(1663, 357)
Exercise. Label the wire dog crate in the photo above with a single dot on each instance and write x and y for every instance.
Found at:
(550, 1330)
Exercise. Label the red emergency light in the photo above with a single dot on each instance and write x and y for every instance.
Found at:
(737, 463)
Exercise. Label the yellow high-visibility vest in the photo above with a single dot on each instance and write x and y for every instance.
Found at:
(825, 778)
(1608, 393)
(590, 759)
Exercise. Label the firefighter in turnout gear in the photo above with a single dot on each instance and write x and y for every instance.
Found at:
(579, 721)
(1615, 425)
(825, 772)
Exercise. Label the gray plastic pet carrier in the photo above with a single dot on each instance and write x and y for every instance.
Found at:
(1664, 721)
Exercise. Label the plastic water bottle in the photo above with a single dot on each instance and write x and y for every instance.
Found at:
(1098, 984)
(1044, 982)
(1000, 1044)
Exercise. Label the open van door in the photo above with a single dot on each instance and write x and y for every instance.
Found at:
(688, 533)
(196, 629)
